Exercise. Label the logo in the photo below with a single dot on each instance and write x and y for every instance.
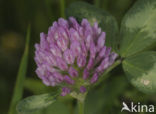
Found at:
(137, 107)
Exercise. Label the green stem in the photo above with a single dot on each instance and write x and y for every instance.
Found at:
(19, 85)
(97, 3)
(105, 4)
(80, 107)
(62, 8)
(80, 100)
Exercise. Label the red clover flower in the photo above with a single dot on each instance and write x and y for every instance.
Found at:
(72, 55)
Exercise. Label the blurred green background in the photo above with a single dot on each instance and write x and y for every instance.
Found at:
(15, 15)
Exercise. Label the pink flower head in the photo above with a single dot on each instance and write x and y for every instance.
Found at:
(72, 55)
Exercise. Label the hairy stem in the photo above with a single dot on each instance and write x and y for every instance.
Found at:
(80, 107)
(80, 100)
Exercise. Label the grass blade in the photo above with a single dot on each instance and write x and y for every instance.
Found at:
(97, 3)
(62, 8)
(37, 87)
(18, 89)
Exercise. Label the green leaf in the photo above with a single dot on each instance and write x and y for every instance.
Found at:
(54, 108)
(18, 90)
(138, 28)
(37, 87)
(57, 108)
(141, 71)
(106, 21)
(36, 102)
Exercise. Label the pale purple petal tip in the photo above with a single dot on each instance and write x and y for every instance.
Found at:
(102, 52)
(43, 44)
(74, 35)
(101, 40)
(82, 89)
(62, 22)
(81, 61)
(46, 82)
(103, 65)
(75, 47)
(90, 63)
(85, 74)
(39, 72)
(63, 32)
(51, 79)
(62, 43)
(88, 41)
(65, 91)
(68, 80)
(50, 59)
(113, 56)
(74, 23)
(84, 49)
(94, 78)
(73, 72)
(92, 50)
(108, 50)
(58, 77)
(69, 56)
(55, 50)
(61, 63)
(85, 23)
